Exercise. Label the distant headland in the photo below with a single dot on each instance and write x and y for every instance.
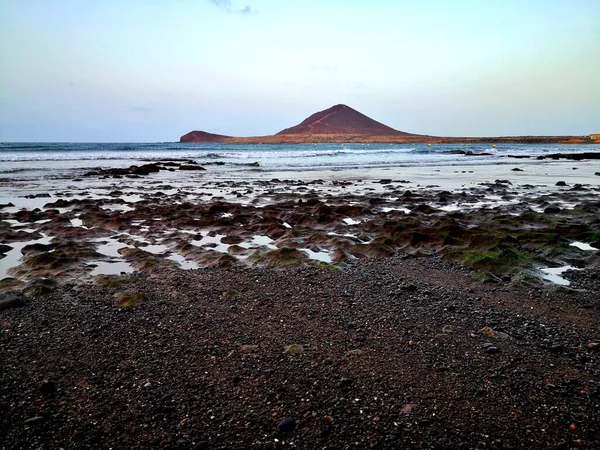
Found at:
(343, 124)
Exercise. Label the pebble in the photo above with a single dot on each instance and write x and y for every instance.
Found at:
(12, 300)
(556, 348)
(34, 420)
(48, 388)
(345, 382)
(286, 425)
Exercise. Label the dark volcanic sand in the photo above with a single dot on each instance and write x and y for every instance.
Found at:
(388, 353)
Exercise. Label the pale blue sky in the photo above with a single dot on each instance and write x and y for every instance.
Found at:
(152, 70)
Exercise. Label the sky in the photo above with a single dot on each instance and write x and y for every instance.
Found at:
(152, 70)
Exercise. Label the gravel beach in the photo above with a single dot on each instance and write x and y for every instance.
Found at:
(389, 353)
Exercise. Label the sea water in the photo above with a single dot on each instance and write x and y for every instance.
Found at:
(50, 160)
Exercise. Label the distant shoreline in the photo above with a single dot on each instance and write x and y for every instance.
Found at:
(342, 124)
(193, 137)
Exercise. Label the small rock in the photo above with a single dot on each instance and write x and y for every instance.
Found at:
(5, 248)
(346, 382)
(492, 349)
(552, 210)
(561, 183)
(286, 425)
(294, 349)
(191, 167)
(516, 169)
(248, 348)
(556, 348)
(593, 346)
(406, 409)
(34, 420)
(12, 300)
(447, 329)
(182, 444)
(355, 352)
(493, 333)
(48, 388)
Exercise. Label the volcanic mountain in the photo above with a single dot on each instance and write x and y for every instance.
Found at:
(340, 123)
(342, 120)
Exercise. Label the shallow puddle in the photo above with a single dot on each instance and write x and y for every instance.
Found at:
(322, 256)
(13, 257)
(155, 249)
(583, 246)
(184, 264)
(110, 247)
(259, 241)
(78, 223)
(213, 241)
(110, 268)
(389, 209)
(553, 274)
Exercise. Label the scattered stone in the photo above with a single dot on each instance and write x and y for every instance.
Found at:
(561, 183)
(516, 169)
(248, 348)
(492, 349)
(556, 348)
(552, 210)
(407, 409)
(12, 300)
(48, 388)
(354, 353)
(346, 382)
(5, 248)
(34, 420)
(447, 329)
(493, 333)
(287, 425)
(129, 299)
(191, 167)
(593, 346)
(294, 349)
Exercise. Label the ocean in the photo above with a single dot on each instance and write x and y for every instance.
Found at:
(22, 161)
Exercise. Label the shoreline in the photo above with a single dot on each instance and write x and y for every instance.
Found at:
(259, 214)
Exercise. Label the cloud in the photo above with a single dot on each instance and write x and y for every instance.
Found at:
(142, 108)
(228, 6)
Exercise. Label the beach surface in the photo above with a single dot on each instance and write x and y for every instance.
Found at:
(171, 304)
